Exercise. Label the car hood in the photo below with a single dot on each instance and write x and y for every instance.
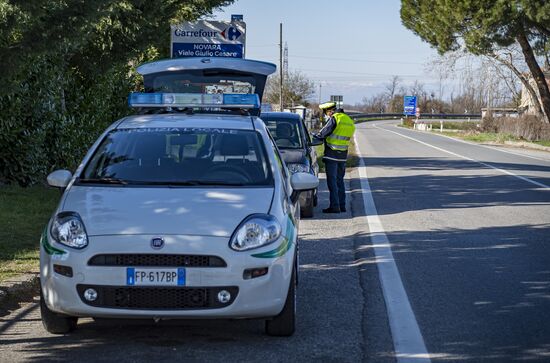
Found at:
(163, 211)
(293, 155)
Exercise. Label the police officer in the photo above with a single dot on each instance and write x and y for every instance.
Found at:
(337, 134)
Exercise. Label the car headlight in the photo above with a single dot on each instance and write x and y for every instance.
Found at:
(298, 168)
(68, 229)
(255, 231)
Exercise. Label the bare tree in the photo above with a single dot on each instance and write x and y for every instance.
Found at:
(298, 89)
(391, 89)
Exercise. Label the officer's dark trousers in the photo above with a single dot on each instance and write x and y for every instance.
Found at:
(335, 180)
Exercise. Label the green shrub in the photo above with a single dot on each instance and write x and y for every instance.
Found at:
(52, 118)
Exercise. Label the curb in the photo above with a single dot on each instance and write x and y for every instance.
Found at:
(18, 289)
(527, 145)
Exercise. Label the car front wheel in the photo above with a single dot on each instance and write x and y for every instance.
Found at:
(283, 325)
(307, 210)
(56, 323)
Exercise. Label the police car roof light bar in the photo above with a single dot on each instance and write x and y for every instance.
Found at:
(193, 100)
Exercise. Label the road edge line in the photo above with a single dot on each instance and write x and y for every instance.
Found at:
(408, 342)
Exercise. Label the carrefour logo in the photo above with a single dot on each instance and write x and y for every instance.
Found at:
(231, 33)
(195, 33)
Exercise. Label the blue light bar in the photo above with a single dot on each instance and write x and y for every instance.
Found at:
(140, 98)
(193, 100)
(242, 99)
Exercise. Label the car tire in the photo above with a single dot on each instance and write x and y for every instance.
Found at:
(56, 323)
(315, 200)
(284, 324)
(307, 211)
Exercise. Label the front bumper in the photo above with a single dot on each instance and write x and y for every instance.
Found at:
(257, 297)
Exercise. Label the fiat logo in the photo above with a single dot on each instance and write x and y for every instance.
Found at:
(157, 243)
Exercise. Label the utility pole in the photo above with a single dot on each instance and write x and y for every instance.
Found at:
(285, 60)
(320, 85)
(281, 73)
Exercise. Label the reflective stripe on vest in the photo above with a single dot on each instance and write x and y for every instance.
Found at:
(340, 138)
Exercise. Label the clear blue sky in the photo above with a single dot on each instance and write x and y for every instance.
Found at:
(350, 47)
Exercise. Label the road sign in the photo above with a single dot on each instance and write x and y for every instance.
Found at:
(409, 105)
(337, 98)
(417, 114)
(208, 39)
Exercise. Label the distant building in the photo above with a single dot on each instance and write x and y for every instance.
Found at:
(300, 110)
(499, 112)
(526, 105)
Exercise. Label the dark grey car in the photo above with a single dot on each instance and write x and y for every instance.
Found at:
(296, 147)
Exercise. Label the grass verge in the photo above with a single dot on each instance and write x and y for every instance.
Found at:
(484, 137)
(23, 214)
(543, 143)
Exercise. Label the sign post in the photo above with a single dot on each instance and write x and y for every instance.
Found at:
(208, 39)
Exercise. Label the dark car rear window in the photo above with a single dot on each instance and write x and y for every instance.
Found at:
(286, 132)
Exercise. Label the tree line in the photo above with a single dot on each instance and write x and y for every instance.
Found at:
(67, 67)
(490, 28)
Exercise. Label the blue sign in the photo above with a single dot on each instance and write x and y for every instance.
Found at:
(207, 50)
(237, 17)
(409, 105)
(208, 39)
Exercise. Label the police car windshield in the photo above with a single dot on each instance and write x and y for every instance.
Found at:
(179, 157)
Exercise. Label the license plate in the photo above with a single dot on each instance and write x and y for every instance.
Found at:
(155, 276)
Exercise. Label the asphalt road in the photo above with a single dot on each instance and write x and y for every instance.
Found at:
(469, 228)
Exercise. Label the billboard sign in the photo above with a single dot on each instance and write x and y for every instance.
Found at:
(409, 105)
(208, 39)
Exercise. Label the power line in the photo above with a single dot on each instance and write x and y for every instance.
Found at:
(360, 73)
(353, 60)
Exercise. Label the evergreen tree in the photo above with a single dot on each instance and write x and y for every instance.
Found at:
(482, 26)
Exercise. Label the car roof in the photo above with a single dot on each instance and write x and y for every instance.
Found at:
(280, 115)
(184, 120)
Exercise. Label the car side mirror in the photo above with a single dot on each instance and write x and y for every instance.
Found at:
(302, 182)
(59, 178)
(315, 141)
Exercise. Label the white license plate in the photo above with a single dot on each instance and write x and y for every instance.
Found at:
(155, 276)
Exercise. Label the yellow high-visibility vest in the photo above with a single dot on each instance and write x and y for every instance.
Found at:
(341, 136)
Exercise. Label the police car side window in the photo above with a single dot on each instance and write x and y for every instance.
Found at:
(279, 159)
(280, 163)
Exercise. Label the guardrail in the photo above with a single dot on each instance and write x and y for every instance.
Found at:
(422, 115)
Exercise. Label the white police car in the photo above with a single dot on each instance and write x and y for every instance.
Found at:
(184, 210)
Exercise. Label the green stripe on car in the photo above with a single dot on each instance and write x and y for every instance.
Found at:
(284, 246)
(45, 242)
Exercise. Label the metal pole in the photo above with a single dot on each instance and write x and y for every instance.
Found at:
(281, 67)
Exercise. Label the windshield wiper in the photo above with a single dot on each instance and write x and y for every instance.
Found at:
(102, 181)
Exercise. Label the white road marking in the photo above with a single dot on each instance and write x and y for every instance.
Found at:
(544, 186)
(407, 339)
